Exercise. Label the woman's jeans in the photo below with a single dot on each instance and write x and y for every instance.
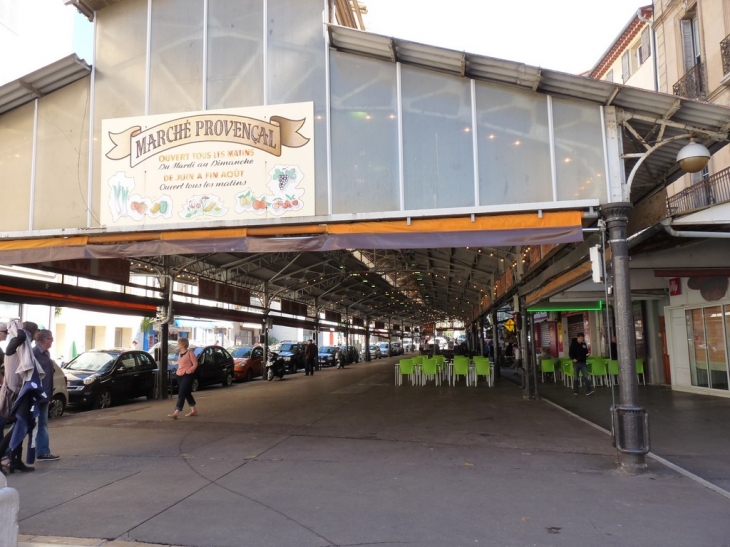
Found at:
(579, 368)
(184, 391)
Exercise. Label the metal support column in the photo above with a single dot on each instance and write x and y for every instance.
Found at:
(495, 348)
(367, 339)
(528, 383)
(631, 431)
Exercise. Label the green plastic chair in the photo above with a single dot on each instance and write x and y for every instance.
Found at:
(404, 366)
(600, 370)
(429, 368)
(483, 368)
(461, 368)
(547, 365)
(441, 364)
(640, 370)
(566, 367)
(613, 371)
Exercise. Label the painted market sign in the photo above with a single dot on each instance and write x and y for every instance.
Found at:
(217, 165)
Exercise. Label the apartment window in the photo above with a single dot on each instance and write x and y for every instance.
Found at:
(645, 47)
(118, 338)
(691, 52)
(609, 76)
(625, 66)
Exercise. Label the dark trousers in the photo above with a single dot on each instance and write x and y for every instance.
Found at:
(577, 369)
(309, 367)
(184, 391)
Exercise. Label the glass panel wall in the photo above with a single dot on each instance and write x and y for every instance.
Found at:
(437, 140)
(16, 158)
(514, 146)
(62, 158)
(176, 62)
(697, 345)
(579, 156)
(707, 338)
(364, 135)
(235, 53)
(717, 364)
(121, 38)
(296, 72)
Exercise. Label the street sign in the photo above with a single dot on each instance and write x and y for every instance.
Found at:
(509, 325)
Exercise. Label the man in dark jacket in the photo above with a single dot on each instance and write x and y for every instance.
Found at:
(579, 353)
(310, 358)
(42, 344)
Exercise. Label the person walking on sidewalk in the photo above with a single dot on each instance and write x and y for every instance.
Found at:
(579, 353)
(21, 392)
(187, 364)
(310, 358)
(42, 446)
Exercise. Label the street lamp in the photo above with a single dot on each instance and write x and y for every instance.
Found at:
(693, 157)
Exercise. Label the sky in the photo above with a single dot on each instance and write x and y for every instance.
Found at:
(565, 35)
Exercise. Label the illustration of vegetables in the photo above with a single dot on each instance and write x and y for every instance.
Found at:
(155, 208)
(163, 206)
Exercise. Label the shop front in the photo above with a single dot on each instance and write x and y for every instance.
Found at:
(698, 333)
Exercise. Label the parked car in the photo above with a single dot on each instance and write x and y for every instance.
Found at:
(247, 362)
(326, 357)
(58, 402)
(101, 377)
(352, 354)
(215, 366)
(384, 349)
(292, 353)
(375, 352)
(396, 348)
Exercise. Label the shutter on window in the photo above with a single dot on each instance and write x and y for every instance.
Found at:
(609, 76)
(687, 45)
(645, 49)
(625, 66)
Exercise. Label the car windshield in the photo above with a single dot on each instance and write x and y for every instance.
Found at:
(240, 353)
(93, 361)
(328, 349)
(282, 347)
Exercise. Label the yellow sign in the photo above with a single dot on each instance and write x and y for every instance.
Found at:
(509, 325)
(225, 165)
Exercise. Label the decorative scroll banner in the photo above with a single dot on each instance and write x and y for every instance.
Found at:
(141, 145)
(226, 165)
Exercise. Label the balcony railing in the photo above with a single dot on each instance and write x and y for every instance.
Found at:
(692, 85)
(711, 190)
(725, 52)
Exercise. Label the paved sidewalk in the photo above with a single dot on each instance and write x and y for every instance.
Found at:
(691, 431)
(346, 458)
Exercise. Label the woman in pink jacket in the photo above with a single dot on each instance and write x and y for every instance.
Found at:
(187, 364)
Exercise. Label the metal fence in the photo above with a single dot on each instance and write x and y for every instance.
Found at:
(725, 53)
(710, 190)
(692, 85)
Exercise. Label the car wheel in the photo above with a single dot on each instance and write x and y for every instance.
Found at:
(249, 375)
(269, 375)
(57, 406)
(228, 380)
(195, 385)
(292, 369)
(104, 399)
(151, 393)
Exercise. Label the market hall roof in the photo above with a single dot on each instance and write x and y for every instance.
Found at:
(42, 82)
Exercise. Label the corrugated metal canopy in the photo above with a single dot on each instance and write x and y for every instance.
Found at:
(42, 82)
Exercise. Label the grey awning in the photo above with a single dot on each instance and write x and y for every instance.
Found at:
(42, 82)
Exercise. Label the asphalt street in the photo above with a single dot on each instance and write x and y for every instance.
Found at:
(347, 458)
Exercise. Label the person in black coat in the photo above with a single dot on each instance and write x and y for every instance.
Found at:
(578, 352)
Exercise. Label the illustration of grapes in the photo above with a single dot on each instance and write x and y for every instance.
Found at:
(284, 185)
